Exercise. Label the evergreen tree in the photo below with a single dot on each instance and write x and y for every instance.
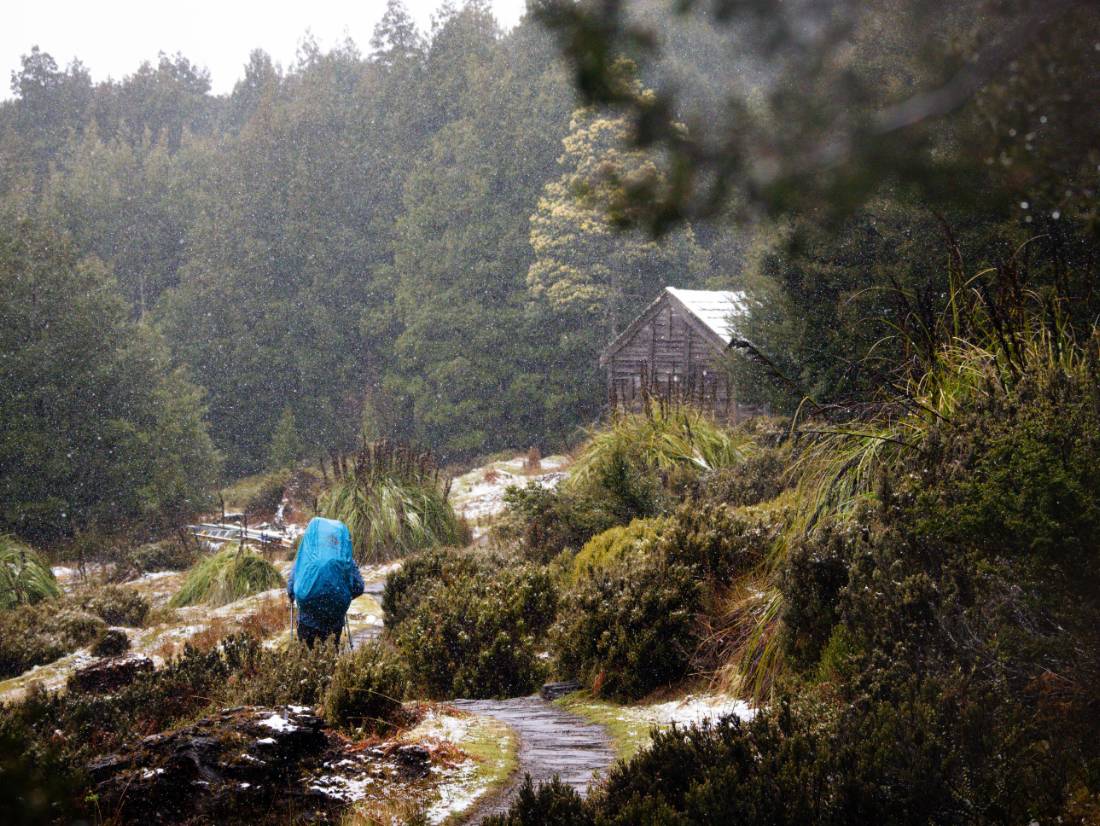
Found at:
(286, 445)
(93, 427)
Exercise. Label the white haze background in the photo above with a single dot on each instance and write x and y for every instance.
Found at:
(113, 38)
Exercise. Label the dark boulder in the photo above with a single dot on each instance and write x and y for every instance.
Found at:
(105, 676)
(552, 691)
(414, 760)
(247, 765)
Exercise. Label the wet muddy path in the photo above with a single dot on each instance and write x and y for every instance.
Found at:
(551, 741)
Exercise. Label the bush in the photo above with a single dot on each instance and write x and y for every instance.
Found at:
(33, 635)
(25, 578)
(259, 494)
(176, 554)
(474, 633)
(719, 541)
(761, 476)
(543, 522)
(629, 629)
(366, 690)
(225, 577)
(908, 750)
(418, 574)
(815, 571)
(615, 544)
(295, 675)
(112, 643)
(550, 804)
(116, 605)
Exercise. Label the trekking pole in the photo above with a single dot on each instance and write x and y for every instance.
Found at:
(292, 634)
(347, 630)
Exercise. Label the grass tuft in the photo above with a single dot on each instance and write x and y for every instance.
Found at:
(671, 439)
(25, 578)
(394, 503)
(229, 575)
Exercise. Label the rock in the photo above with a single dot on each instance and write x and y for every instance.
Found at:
(248, 765)
(552, 691)
(105, 676)
(414, 759)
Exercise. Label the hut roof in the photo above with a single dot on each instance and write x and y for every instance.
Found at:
(715, 308)
(712, 312)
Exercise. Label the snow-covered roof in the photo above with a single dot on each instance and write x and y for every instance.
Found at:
(715, 308)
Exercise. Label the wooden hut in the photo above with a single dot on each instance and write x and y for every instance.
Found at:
(673, 349)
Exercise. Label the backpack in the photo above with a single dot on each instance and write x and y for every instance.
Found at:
(324, 570)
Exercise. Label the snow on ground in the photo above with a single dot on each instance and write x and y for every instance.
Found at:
(479, 494)
(68, 576)
(441, 725)
(152, 576)
(695, 709)
(277, 722)
(457, 791)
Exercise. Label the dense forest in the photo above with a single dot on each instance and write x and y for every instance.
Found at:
(348, 244)
(370, 290)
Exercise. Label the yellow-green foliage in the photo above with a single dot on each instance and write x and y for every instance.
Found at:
(25, 578)
(674, 440)
(607, 548)
(227, 576)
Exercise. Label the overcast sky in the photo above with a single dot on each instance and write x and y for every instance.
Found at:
(112, 37)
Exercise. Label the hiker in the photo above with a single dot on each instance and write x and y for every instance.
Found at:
(323, 580)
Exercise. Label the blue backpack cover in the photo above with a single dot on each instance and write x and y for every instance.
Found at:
(324, 573)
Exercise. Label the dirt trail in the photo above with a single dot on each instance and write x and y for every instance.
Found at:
(365, 632)
(552, 741)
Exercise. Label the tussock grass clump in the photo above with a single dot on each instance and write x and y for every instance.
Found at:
(670, 439)
(25, 578)
(394, 502)
(225, 577)
(995, 427)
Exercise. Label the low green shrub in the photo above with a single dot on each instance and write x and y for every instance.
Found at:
(88, 724)
(175, 554)
(543, 522)
(630, 628)
(25, 578)
(615, 544)
(418, 574)
(761, 476)
(720, 541)
(366, 690)
(33, 635)
(116, 605)
(814, 573)
(907, 750)
(225, 577)
(294, 675)
(112, 643)
(549, 804)
(476, 633)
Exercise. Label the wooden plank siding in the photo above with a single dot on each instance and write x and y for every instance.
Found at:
(667, 350)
